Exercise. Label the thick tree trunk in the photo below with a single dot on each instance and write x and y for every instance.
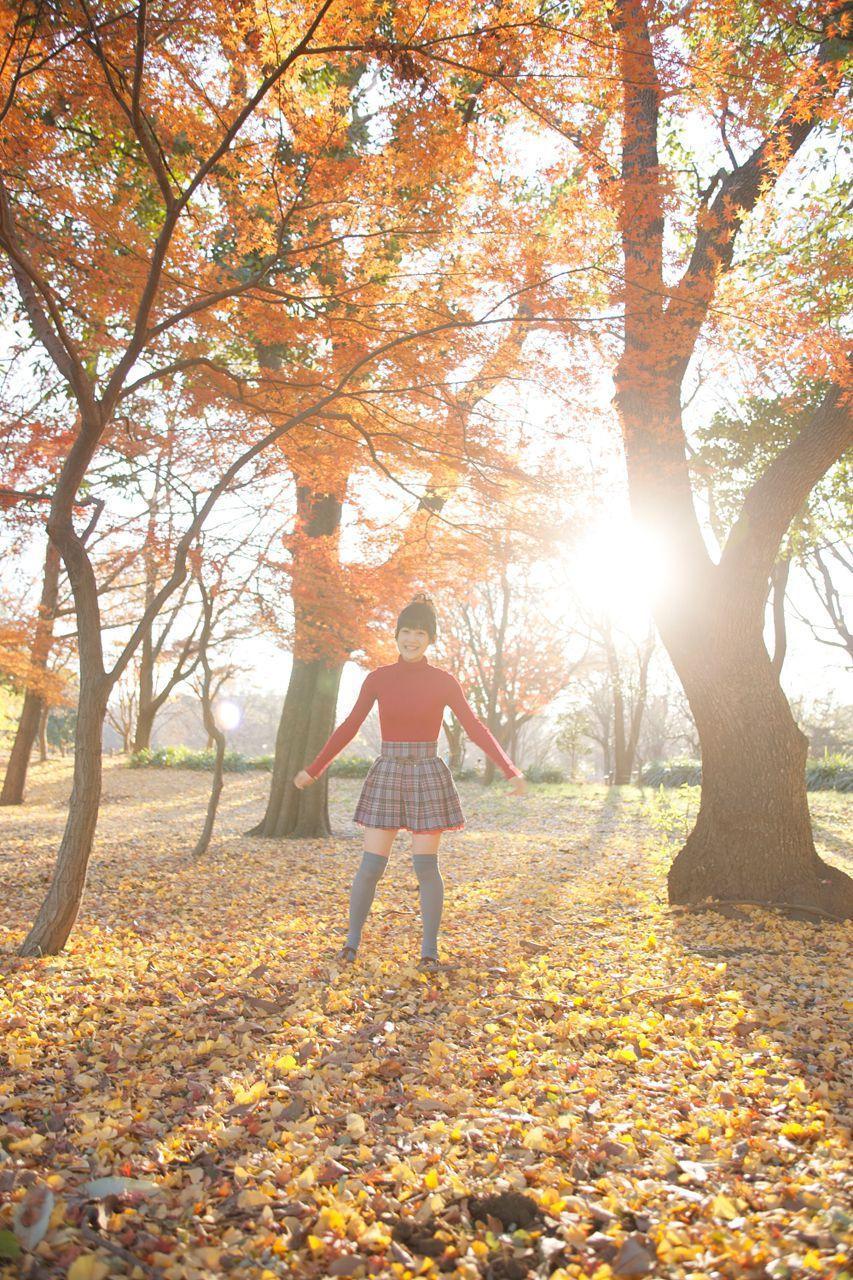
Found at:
(753, 839)
(144, 724)
(307, 719)
(15, 781)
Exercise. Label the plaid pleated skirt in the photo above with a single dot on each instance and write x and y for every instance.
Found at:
(410, 787)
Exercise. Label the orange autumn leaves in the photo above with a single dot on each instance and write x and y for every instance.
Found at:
(657, 1089)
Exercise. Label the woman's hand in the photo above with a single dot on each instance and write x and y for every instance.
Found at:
(518, 785)
(303, 779)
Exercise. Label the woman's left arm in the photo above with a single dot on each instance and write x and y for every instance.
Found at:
(477, 731)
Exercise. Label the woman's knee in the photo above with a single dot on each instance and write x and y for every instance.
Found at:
(426, 866)
(379, 840)
(426, 843)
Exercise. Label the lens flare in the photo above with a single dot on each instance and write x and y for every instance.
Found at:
(227, 715)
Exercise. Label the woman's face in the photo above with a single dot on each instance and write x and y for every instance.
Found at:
(412, 643)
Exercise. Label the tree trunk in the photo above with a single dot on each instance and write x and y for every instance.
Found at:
(15, 781)
(753, 839)
(308, 714)
(214, 733)
(307, 719)
(55, 919)
(58, 911)
(144, 721)
(456, 743)
(778, 587)
(622, 761)
(45, 712)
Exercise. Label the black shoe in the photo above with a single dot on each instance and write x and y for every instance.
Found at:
(430, 963)
(346, 955)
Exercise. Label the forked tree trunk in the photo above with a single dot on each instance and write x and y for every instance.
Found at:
(307, 719)
(753, 839)
(15, 781)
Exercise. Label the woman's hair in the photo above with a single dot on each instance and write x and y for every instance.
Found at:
(419, 614)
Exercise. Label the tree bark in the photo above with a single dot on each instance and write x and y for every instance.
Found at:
(308, 713)
(753, 839)
(307, 719)
(455, 741)
(15, 781)
(58, 911)
(214, 733)
(778, 587)
(43, 734)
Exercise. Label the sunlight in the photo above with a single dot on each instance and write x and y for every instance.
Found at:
(620, 568)
(227, 715)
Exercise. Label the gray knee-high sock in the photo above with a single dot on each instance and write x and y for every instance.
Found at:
(432, 899)
(361, 894)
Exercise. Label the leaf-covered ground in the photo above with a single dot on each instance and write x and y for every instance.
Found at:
(596, 1085)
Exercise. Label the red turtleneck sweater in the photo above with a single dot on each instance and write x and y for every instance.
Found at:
(412, 697)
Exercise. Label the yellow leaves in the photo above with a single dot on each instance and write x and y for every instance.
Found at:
(356, 1128)
(252, 1198)
(88, 1267)
(625, 1054)
(272, 1125)
(26, 1146)
(331, 1219)
(797, 1132)
(651, 942)
(376, 1236)
(248, 1097)
(536, 1139)
(723, 1207)
(551, 1200)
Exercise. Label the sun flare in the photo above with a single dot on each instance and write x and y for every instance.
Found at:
(620, 568)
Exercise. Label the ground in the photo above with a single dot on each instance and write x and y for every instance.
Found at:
(663, 1090)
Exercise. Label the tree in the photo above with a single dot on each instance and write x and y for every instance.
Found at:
(151, 174)
(501, 638)
(752, 838)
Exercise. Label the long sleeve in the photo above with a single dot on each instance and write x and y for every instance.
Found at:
(477, 731)
(346, 730)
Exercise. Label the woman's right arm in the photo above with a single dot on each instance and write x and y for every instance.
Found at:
(346, 730)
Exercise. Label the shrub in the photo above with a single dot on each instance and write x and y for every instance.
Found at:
(832, 773)
(186, 758)
(544, 773)
(350, 767)
(671, 773)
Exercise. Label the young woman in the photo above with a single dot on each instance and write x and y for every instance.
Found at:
(408, 786)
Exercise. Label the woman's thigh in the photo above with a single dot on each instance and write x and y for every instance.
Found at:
(379, 840)
(426, 841)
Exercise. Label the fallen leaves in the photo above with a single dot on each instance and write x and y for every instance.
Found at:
(195, 1089)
